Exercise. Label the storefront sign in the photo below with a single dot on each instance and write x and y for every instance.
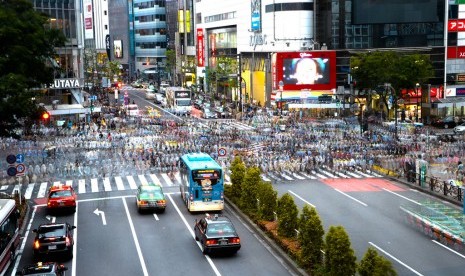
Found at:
(454, 52)
(200, 48)
(456, 25)
(460, 77)
(460, 91)
(66, 83)
(256, 16)
(257, 39)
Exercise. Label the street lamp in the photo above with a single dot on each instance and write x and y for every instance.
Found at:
(281, 88)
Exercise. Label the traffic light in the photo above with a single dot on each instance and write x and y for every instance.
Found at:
(45, 116)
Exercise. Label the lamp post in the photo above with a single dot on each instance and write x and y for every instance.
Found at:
(394, 102)
(281, 88)
(361, 119)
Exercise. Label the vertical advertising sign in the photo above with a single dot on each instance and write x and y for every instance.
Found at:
(118, 48)
(88, 20)
(108, 46)
(256, 15)
(200, 48)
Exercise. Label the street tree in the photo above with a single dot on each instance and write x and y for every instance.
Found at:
(287, 216)
(237, 175)
(249, 190)
(311, 238)
(339, 256)
(170, 66)
(268, 198)
(372, 70)
(373, 264)
(26, 54)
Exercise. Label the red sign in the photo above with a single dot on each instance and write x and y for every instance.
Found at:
(456, 25)
(200, 48)
(454, 52)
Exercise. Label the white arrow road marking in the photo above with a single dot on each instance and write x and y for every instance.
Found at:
(98, 213)
(51, 218)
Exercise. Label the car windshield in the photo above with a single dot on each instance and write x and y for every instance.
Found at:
(51, 231)
(219, 229)
(64, 193)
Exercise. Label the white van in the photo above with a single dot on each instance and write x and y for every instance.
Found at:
(132, 110)
(163, 87)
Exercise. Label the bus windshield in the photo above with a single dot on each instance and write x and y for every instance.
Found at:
(184, 102)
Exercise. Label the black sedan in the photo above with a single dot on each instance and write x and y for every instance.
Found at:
(53, 238)
(447, 122)
(216, 234)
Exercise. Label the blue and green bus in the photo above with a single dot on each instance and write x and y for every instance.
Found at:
(202, 182)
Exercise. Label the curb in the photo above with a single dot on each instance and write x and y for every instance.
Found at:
(279, 253)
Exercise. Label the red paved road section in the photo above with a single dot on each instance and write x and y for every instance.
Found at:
(362, 185)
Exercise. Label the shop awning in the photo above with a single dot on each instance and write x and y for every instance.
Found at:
(69, 109)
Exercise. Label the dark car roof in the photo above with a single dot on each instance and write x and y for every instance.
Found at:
(39, 269)
(52, 230)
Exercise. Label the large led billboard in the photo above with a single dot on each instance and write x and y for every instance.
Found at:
(394, 11)
(315, 70)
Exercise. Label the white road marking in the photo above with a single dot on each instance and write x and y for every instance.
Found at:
(177, 175)
(209, 260)
(75, 221)
(94, 185)
(106, 184)
(299, 197)
(156, 217)
(136, 240)
(364, 204)
(82, 186)
(167, 179)
(42, 190)
(132, 182)
(23, 244)
(406, 198)
(69, 183)
(155, 179)
(119, 183)
(450, 249)
(395, 259)
(28, 192)
(264, 178)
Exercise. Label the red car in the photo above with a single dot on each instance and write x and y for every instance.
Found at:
(61, 197)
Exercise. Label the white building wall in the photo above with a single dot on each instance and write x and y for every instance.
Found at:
(278, 28)
(101, 23)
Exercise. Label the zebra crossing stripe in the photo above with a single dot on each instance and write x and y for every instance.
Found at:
(155, 179)
(167, 179)
(42, 190)
(353, 174)
(328, 173)
(28, 192)
(69, 183)
(56, 183)
(132, 183)
(82, 186)
(16, 188)
(143, 180)
(362, 173)
(263, 176)
(342, 175)
(119, 183)
(106, 184)
(308, 176)
(375, 174)
(4, 187)
(285, 176)
(177, 175)
(94, 185)
(297, 176)
(319, 175)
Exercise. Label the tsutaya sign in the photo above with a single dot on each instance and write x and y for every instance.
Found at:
(257, 39)
(66, 83)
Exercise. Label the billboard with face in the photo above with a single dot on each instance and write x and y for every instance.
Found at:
(315, 70)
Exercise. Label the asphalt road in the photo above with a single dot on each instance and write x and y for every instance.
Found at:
(112, 238)
(369, 210)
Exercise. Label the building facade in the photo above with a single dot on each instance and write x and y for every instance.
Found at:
(150, 36)
(64, 98)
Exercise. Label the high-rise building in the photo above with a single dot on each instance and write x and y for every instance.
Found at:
(150, 37)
